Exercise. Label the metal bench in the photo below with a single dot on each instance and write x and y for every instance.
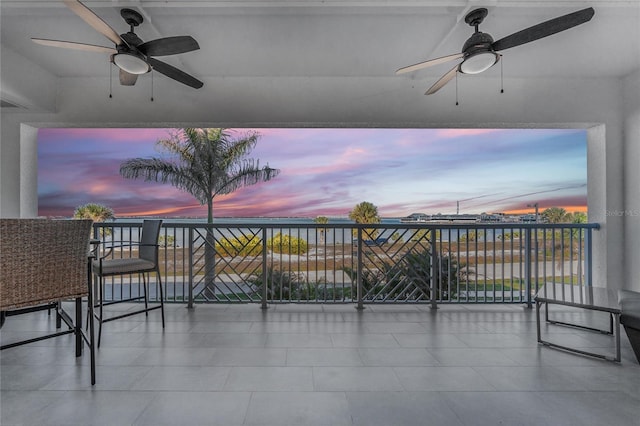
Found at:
(630, 317)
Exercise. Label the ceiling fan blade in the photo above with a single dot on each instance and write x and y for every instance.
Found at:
(544, 29)
(443, 80)
(169, 46)
(174, 73)
(94, 20)
(74, 45)
(430, 63)
(127, 79)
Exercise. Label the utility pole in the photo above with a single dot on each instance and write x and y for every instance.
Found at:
(536, 207)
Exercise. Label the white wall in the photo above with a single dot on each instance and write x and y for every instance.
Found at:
(26, 84)
(9, 168)
(631, 209)
(356, 102)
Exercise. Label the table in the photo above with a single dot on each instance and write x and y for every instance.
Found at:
(588, 298)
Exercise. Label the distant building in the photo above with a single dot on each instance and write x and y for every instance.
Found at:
(469, 218)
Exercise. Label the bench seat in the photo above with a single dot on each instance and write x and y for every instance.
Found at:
(630, 317)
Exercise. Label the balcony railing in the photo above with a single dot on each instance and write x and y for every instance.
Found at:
(348, 263)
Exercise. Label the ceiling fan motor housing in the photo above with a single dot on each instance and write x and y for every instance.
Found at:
(131, 39)
(476, 42)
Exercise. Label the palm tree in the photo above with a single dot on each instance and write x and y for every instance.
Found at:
(366, 212)
(565, 247)
(94, 211)
(97, 213)
(321, 220)
(556, 215)
(205, 163)
(579, 217)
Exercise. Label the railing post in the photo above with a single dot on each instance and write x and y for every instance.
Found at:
(536, 259)
(527, 265)
(588, 270)
(97, 253)
(265, 278)
(359, 271)
(434, 270)
(190, 282)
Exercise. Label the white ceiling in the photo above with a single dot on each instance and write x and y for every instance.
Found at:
(330, 41)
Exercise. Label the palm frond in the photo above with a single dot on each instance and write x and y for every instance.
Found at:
(234, 151)
(162, 171)
(249, 173)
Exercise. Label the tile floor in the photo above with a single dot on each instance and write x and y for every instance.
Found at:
(320, 365)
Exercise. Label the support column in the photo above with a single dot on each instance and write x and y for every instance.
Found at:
(28, 171)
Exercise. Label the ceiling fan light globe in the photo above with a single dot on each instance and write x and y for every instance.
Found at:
(479, 62)
(131, 63)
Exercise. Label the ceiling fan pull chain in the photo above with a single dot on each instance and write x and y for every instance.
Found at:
(151, 85)
(456, 88)
(501, 77)
(110, 80)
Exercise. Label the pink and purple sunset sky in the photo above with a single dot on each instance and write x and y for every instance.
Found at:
(326, 172)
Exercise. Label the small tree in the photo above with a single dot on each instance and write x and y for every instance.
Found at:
(97, 213)
(323, 220)
(366, 212)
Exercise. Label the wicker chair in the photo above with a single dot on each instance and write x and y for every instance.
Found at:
(42, 263)
(145, 262)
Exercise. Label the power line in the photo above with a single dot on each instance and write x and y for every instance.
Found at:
(531, 193)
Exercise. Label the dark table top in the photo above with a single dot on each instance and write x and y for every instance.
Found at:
(597, 298)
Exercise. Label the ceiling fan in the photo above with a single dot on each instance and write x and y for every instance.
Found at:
(479, 52)
(131, 54)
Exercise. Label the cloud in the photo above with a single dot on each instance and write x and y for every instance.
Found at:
(570, 203)
(325, 171)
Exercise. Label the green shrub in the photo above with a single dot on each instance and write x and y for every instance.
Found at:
(373, 282)
(472, 236)
(424, 235)
(283, 286)
(508, 236)
(410, 277)
(168, 241)
(241, 246)
(287, 244)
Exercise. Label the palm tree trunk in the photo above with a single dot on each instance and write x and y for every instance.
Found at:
(209, 256)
